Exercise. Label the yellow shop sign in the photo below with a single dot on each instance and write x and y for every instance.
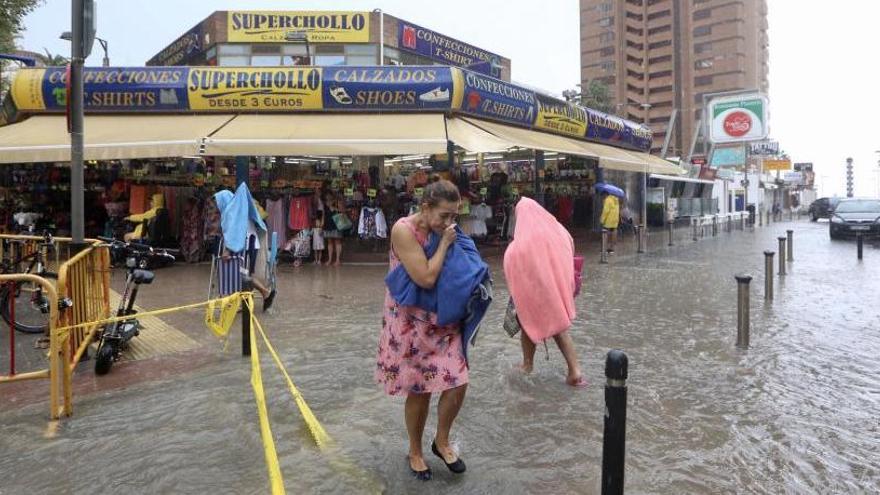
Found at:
(321, 27)
(561, 117)
(240, 88)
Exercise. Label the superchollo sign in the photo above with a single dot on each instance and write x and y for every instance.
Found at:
(329, 89)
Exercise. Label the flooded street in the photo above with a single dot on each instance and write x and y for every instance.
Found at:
(795, 413)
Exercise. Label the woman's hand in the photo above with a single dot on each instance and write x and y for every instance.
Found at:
(449, 235)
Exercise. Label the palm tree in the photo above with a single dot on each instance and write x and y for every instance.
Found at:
(50, 60)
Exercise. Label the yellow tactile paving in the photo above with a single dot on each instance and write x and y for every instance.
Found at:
(156, 337)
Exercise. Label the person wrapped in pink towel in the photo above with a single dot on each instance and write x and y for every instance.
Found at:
(543, 279)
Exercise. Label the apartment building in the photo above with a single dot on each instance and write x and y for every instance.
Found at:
(658, 56)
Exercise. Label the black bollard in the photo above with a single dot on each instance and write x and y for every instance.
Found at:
(614, 437)
(246, 286)
(639, 239)
(790, 242)
(694, 221)
(671, 232)
(859, 243)
(742, 310)
(768, 275)
(781, 255)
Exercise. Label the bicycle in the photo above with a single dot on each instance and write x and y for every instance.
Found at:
(31, 305)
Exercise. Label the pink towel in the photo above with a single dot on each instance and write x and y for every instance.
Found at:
(540, 272)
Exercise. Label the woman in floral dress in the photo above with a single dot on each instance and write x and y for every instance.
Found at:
(416, 356)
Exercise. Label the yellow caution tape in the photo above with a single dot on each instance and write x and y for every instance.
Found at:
(320, 436)
(275, 479)
(228, 307)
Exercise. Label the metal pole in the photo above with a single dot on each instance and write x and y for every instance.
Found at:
(761, 217)
(859, 244)
(714, 225)
(11, 300)
(790, 244)
(742, 313)
(604, 256)
(77, 214)
(614, 436)
(246, 286)
(768, 275)
(671, 228)
(781, 255)
(645, 201)
(639, 239)
(694, 221)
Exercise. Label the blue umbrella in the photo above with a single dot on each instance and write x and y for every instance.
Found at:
(610, 189)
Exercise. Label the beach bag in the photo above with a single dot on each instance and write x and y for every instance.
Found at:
(511, 322)
(342, 222)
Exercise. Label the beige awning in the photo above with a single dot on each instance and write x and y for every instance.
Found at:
(524, 138)
(617, 159)
(474, 139)
(44, 138)
(330, 134)
(657, 165)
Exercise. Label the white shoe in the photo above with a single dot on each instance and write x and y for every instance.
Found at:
(435, 95)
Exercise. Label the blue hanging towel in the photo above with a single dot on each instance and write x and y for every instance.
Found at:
(463, 290)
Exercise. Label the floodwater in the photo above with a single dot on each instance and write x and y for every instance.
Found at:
(795, 413)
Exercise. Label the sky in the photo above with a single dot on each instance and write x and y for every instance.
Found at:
(824, 58)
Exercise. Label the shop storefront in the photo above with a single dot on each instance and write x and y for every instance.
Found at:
(369, 136)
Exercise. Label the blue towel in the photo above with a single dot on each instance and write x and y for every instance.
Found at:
(463, 290)
(235, 213)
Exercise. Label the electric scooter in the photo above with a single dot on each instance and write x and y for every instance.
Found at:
(116, 336)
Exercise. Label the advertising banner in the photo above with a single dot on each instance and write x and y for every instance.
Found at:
(738, 119)
(796, 178)
(111, 89)
(561, 117)
(764, 148)
(254, 26)
(388, 88)
(246, 88)
(184, 50)
(616, 131)
(728, 156)
(770, 165)
(494, 99)
(416, 39)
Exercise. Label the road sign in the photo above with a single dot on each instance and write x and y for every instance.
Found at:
(90, 26)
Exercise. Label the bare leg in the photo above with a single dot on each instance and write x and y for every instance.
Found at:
(528, 348)
(416, 414)
(260, 286)
(613, 239)
(338, 252)
(447, 410)
(566, 345)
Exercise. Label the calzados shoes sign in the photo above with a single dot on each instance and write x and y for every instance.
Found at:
(738, 119)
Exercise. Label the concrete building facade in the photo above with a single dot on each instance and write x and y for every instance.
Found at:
(661, 56)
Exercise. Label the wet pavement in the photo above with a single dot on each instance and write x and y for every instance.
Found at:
(795, 413)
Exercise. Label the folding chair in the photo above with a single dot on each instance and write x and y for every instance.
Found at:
(226, 273)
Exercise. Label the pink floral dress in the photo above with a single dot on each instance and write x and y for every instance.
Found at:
(416, 355)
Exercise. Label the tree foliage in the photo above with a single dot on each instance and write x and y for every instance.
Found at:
(597, 96)
(12, 12)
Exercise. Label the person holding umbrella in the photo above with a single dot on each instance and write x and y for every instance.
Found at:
(610, 218)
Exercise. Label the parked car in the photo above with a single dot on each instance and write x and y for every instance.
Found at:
(855, 216)
(823, 208)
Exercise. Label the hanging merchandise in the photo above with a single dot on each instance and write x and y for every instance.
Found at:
(372, 224)
(300, 213)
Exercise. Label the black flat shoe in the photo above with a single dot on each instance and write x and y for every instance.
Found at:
(267, 303)
(425, 475)
(456, 467)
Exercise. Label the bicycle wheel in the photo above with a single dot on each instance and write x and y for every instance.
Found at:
(31, 307)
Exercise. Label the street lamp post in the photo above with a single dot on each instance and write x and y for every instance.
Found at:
(646, 107)
(67, 35)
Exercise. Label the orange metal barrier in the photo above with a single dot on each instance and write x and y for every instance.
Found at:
(57, 353)
(85, 280)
